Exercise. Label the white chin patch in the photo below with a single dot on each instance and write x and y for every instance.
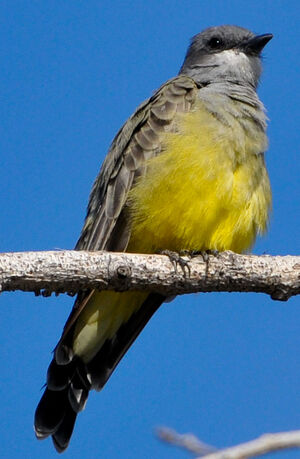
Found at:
(232, 57)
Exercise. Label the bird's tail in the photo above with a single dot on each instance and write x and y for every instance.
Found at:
(69, 379)
(66, 393)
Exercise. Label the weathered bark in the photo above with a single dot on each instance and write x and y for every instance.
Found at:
(70, 271)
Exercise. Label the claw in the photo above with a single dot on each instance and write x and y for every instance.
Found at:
(176, 259)
(205, 256)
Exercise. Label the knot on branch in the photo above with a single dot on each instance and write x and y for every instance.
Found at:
(123, 272)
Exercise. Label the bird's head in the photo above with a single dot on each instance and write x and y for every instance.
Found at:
(225, 53)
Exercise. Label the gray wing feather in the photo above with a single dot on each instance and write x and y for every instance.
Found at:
(137, 141)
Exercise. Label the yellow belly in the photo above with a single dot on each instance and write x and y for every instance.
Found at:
(208, 189)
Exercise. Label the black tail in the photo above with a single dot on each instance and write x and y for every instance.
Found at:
(68, 384)
(65, 396)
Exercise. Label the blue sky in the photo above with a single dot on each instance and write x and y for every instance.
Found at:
(224, 366)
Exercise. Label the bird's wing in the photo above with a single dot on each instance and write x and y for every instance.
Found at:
(106, 226)
(136, 142)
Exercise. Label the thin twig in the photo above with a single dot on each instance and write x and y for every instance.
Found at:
(189, 442)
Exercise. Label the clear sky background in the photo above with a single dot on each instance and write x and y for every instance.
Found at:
(224, 366)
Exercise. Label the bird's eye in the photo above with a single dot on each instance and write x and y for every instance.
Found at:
(215, 43)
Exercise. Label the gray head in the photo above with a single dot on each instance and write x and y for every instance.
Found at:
(225, 53)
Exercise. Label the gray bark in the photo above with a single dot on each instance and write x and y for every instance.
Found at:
(71, 271)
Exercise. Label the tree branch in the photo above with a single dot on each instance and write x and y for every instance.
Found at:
(265, 444)
(189, 442)
(71, 271)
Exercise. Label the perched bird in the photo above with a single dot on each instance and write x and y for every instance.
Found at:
(185, 172)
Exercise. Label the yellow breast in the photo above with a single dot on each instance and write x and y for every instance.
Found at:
(208, 189)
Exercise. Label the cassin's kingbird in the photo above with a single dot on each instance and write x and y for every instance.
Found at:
(185, 172)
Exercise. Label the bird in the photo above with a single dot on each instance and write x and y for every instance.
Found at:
(186, 172)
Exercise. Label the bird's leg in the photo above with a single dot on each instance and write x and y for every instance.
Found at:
(205, 256)
(176, 259)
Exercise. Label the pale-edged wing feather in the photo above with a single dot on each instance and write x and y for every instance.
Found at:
(136, 142)
(106, 224)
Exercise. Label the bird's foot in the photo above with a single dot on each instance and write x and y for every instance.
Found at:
(205, 256)
(176, 258)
